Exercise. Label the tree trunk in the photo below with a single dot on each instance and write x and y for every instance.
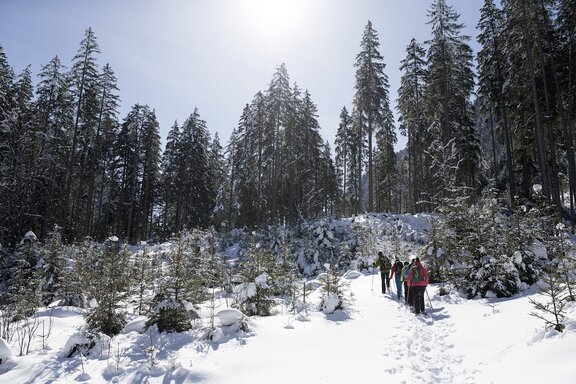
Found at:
(539, 130)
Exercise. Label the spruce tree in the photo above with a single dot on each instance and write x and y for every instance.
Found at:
(343, 159)
(100, 157)
(85, 89)
(491, 79)
(109, 288)
(171, 212)
(18, 148)
(277, 109)
(54, 266)
(26, 288)
(195, 186)
(137, 169)
(412, 120)
(178, 285)
(53, 110)
(254, 294)
(216, 166)
(449, 86)
(371, 103)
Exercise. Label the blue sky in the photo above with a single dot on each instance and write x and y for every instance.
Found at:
(175, 55)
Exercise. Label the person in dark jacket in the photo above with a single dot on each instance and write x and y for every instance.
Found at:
(396, 271)
(384, 264)
(417, 280)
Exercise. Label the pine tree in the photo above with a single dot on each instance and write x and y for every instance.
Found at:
(142, 278)
(527, 62)
(26, 288)
(100, 157)
(491, 78)
(248, 165)
(54, 266)
(6, 80)
(18, 150)
(273, 156)
(328, 182)
(343, 148)
(277, 109)
(371, 103)
(53, 110)
(137, 168)
(449, 85)
(179, 284)
(171, 212)
(195, 178)
(565, 78)
(150, 161)
(110, 285)
(6, 102)
(333, 289)
(85, 87)
(75, 282)
(254, 294)
(412, 120)
(216, 165)
(552, 312)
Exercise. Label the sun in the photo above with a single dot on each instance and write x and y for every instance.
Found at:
(274, 18)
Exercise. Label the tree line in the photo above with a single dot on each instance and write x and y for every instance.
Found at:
(68, 159)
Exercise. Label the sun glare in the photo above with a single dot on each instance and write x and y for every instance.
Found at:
(274, 18)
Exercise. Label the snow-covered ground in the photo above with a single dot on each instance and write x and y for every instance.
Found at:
(375, 339)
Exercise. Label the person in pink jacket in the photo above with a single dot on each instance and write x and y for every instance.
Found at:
(417, 280)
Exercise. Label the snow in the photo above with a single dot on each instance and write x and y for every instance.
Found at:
(375, 339)
(28, 237)
(229, 316)
(5, 350)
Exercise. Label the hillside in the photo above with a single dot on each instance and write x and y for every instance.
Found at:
(373, 339)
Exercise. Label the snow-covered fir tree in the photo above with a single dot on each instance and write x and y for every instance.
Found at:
(54, 266)
(106, 313)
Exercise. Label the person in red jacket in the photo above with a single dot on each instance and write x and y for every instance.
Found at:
(417, 280)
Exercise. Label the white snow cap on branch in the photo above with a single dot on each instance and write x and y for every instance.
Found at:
(229, 316)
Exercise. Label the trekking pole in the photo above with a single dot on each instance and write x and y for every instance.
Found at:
(430, 301)
(372, 289)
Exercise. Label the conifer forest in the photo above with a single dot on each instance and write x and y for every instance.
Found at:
(489, 156)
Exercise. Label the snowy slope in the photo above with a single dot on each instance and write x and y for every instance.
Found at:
(375, 340)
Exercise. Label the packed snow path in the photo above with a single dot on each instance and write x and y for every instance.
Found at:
(377, 338)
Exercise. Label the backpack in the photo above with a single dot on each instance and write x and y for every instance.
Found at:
(399, 267)
(387, 264)
(416, 275)
(384, 264)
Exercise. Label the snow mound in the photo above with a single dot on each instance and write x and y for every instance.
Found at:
(229, 316)
(5, 350)
(29, 237)
(74, 344)
(351, 275)
(136, 325)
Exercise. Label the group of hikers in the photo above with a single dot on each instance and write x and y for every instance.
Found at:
(410, 278)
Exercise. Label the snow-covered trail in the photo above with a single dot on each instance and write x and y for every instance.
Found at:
(377, 339)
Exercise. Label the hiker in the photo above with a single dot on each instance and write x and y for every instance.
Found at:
(384, 264)
(404, 274)
(417, 281)
(396, 271)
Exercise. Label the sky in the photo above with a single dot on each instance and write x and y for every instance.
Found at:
(215, 55)
(374, 339)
